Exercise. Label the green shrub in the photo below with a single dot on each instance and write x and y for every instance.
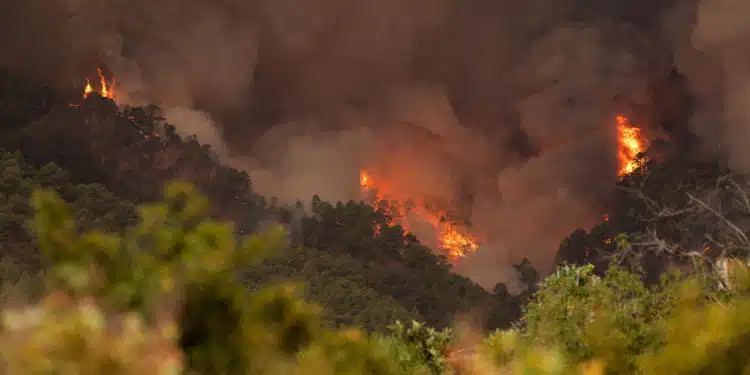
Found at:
(176, 268)
(164, 298)
(615, 318)
(61, 335)
(427, 344)
(705, 338)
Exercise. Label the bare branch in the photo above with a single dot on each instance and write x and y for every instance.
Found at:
(657, 211)
(651, 240)
(729, 223)
(707, 223)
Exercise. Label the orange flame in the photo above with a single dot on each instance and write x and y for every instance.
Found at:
(364, 180)
(451, 237)
(630, 145)
(106, 90)
(88, 90)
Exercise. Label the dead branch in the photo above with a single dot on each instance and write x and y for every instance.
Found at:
(737, 231)
(652, 241)
(656, 210)
(709, 209)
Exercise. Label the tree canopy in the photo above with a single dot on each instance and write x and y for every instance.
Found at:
(115, 158)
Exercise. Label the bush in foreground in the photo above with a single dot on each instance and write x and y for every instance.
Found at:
(164, 299)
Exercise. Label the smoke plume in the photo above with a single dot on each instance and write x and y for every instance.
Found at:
(717, 63)
(514, 101)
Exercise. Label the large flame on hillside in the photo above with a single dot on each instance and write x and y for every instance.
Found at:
(630, 144)
(106, 90)
(453, 238)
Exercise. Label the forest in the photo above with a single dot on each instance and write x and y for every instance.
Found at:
(128, 249)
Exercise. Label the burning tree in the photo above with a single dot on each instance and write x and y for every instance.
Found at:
(106, 89)
(453, 236)
(631, 144)
(675, 211)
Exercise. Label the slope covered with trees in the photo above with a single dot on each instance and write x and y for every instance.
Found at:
(360, 276)
(93, 206)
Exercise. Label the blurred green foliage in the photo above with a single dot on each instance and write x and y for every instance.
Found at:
(164, 297)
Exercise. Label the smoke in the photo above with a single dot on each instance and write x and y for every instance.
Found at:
(432, 94)
(294, 167)
(200, 125)
(719, 71)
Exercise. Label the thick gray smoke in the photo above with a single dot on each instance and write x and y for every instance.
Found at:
(719, 68)
(433, 93)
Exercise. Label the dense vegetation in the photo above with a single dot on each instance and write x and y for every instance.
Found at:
(164, 297)
(97, 278)
(360, 277)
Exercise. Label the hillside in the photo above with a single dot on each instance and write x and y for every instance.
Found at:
(361, 276)
(99, 252)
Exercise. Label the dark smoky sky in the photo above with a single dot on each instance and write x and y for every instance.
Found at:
(512, 100)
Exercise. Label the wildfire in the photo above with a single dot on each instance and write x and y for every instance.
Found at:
(364, 180)
(451, 237)
(106, 90)
(630, 145)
